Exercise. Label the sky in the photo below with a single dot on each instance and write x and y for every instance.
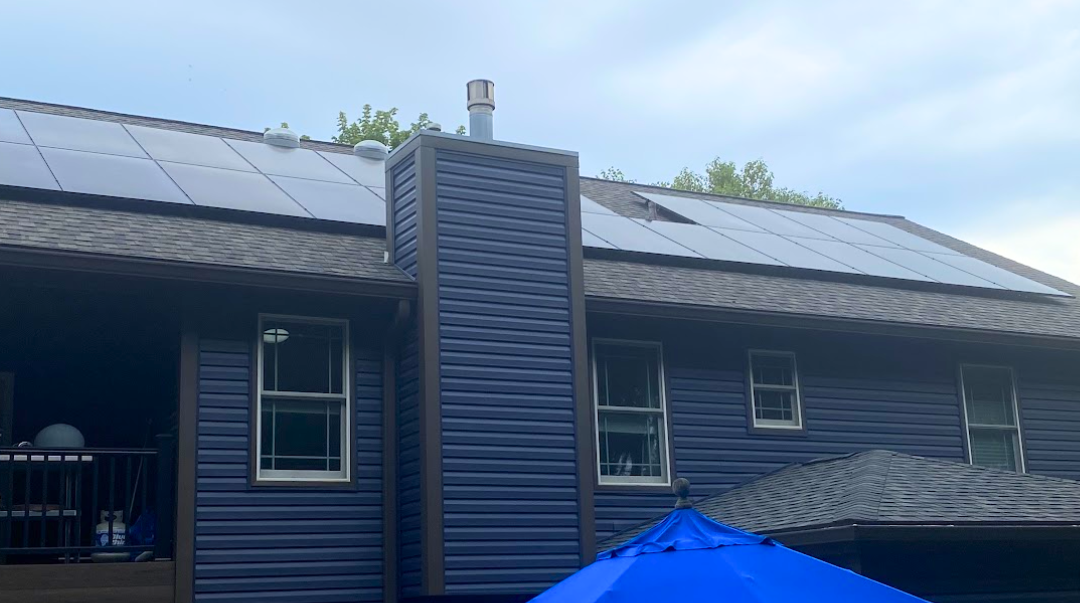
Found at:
(962, 116)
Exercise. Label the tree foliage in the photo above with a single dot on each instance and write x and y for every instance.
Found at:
(380, 125)
(754, 181)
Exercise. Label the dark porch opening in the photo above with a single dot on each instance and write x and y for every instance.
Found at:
(104, 361)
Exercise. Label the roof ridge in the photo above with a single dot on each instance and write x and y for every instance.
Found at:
(769, 202)
(19, 104)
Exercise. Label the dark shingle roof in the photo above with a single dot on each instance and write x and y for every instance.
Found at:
(615, 276)
(141, 235)
(804, 293)
(880, 487)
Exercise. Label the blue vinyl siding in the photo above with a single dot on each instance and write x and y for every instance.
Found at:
(905, 400)
(1049, 392)
(409, 523)
(403, 215)
(282, 544)
(506, 374)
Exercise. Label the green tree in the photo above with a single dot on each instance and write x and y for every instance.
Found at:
(753, 181)
(380, 125)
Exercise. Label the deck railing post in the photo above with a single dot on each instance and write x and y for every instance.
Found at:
(165, 496)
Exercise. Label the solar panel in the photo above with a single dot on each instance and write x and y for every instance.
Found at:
(588, 239)
(994, 274)
(333, 201)
(629, 235)
(927, 266)
(899, 237)
(182, 147)
(298, 163)
(365, 171)
(22, 165)
(592, 207)
(78, 134)
(769, 220)
(834, 228)
(709, 243)
(215, 187)
(699, 211)
(858, 259)
(785, 251)
(10, 128)
(111, 175)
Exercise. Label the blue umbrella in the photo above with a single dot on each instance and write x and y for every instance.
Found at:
(689, 557)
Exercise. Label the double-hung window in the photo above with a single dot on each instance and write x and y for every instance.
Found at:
(304, 402)
(628, 386)
(990, 410)
(774, 390)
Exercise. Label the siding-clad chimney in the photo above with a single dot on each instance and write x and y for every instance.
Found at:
(489, 468)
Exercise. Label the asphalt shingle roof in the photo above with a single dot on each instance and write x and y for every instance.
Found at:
(617, 276)
(879, 487)
(141, 235)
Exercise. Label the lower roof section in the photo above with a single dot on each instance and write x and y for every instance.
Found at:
(200, 245)
(705, 289)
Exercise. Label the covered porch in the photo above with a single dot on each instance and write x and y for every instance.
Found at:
(88, 422)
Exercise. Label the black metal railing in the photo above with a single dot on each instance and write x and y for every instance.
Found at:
(65, 503)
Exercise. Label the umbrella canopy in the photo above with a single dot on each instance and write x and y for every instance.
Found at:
(689, 557)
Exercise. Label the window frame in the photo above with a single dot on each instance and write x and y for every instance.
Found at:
(1021, 459)
(666, 454)
(284, 477)
(797, 412)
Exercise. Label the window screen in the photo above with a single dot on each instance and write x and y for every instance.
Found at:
(630, 413)
(774, 389)
(990, 408)
(303, 399)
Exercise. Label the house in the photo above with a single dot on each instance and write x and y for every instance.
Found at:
(942, 530)
(448, 373)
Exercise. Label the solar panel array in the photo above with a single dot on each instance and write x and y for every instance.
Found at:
(815, 241)
(55, 152)
(71, 154)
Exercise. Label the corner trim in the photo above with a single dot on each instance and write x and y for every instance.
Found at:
(187, 444)
(583, 413)
(431, 488)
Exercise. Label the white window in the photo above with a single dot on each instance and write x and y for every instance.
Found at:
(631, 420)
(774, 390)
(304, 400)
(990, 410)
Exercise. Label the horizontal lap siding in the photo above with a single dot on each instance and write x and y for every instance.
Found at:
(282, 544)
(403, 215)
(847, 408)
(1050, 411)
(409, 525)
(506, 373)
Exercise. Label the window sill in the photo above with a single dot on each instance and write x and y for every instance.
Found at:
(260, 484)
(643, 487)
(784, 432)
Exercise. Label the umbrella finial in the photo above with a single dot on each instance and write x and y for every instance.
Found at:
(681, 487)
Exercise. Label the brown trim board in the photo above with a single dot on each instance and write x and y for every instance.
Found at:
(583, 416)
(431, 486)
(187, 442)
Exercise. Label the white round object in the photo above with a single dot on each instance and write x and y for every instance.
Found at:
(59, 435)
(371, 149)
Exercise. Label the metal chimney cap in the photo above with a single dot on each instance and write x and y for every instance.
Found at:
(371, 149)
(434, 127)
(481, 95)
(282, 137)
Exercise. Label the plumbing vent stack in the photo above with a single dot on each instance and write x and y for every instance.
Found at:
(481, 107)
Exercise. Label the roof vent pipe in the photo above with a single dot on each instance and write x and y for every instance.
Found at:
(371, 149)
(481, 107)
(434, 127)
(282, 137)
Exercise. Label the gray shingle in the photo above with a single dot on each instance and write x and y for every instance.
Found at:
(887, 488)
(192, 240)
